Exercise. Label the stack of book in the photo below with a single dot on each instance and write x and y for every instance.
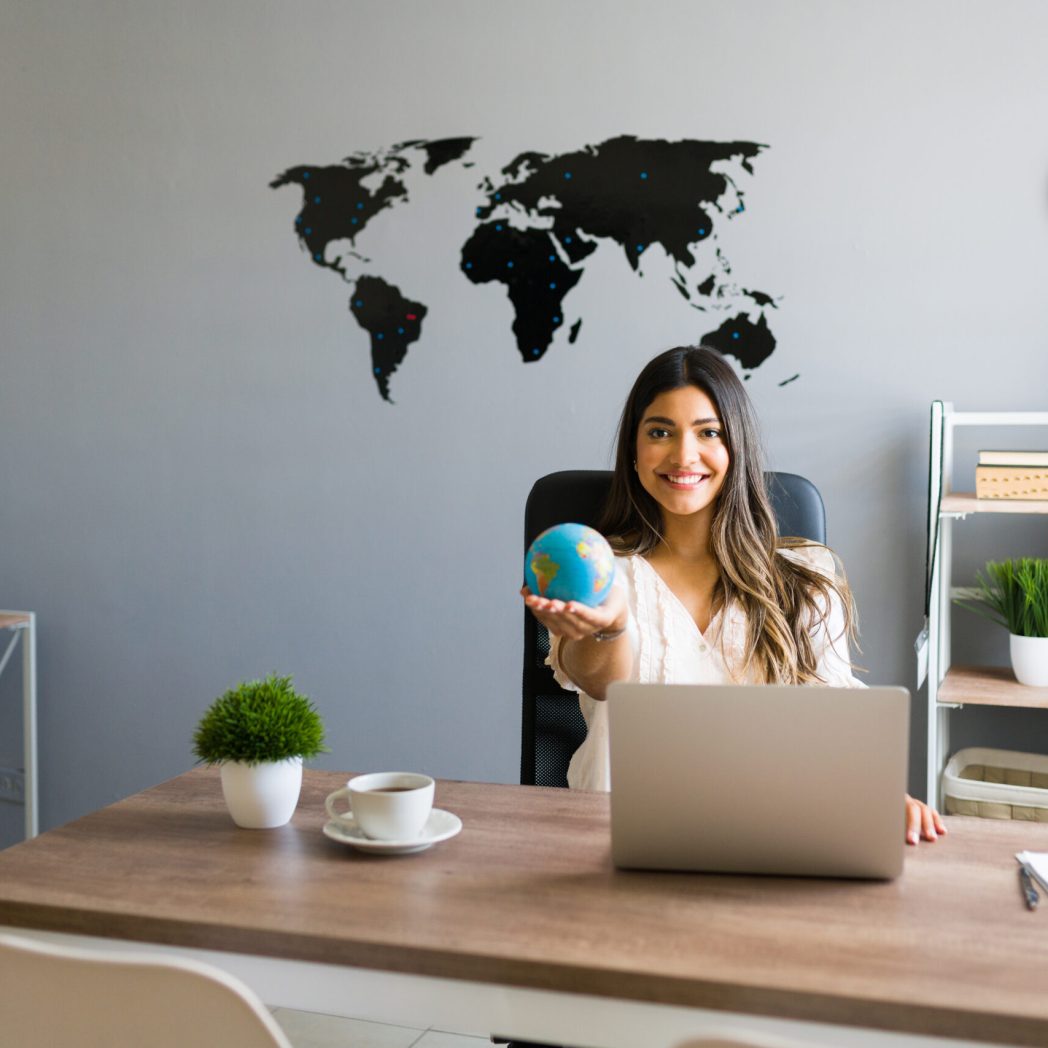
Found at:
(1012, 475)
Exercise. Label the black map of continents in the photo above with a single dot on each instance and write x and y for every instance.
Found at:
(534, 226)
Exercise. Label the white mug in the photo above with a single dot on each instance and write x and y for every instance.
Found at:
(386, 805)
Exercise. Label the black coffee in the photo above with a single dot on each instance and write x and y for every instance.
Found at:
(393, 789)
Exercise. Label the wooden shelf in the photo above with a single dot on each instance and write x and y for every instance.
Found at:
(11, 619)
(966, 502)
(988, 686)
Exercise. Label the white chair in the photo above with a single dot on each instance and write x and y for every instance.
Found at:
(60, 995)
(744, 1039)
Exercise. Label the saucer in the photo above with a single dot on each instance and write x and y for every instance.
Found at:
(439, 827)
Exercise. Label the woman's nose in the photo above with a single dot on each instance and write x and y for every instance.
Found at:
(687, 450)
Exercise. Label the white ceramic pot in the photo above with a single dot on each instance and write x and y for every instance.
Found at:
(1030, 660)
(262, 796)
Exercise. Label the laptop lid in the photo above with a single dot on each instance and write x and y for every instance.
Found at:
(778, 779)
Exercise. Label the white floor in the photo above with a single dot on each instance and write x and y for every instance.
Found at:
(311, 1030)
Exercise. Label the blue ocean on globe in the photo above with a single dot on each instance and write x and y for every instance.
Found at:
(570, 562)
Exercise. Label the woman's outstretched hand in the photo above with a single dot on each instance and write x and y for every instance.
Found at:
(574, 620)
(922, 823)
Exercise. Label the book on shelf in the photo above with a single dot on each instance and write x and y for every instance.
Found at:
(1011, 482)
(1013, 458)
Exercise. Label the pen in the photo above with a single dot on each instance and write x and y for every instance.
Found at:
(1026, 883)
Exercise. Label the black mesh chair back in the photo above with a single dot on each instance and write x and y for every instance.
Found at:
(552, 725)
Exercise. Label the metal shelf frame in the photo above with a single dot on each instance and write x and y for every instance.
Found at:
(22, 627)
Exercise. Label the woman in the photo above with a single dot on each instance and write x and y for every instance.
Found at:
(706, 591)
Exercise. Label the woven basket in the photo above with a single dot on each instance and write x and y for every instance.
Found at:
(996, 784)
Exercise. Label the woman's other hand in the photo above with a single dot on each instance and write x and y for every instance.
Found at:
(573, 620)
(922, 822)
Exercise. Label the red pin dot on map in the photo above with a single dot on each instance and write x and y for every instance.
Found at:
(411, 316)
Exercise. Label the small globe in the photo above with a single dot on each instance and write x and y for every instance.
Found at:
(570, 562)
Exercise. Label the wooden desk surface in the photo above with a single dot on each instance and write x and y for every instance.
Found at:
(526, 895)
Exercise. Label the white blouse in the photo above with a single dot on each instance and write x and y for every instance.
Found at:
(669, 648)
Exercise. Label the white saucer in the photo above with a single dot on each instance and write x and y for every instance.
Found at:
(439, 827)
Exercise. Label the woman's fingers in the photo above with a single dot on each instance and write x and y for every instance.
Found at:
(922, 822)
(572, 620)
(913, 821)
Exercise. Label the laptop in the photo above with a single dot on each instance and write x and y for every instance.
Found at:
(774, 779)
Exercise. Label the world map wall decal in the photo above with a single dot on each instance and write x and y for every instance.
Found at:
(536, 224)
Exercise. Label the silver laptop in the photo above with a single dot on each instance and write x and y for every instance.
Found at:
(804, 781)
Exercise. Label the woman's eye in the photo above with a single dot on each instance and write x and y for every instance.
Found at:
(655, 433)
(710, 434)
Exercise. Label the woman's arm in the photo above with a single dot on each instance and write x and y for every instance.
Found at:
(590, 662)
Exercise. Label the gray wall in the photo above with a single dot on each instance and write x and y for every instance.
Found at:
(199, 482)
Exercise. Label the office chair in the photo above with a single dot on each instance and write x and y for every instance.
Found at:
(54, 994)
(552, 726)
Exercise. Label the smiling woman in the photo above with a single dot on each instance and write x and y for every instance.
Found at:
(706, 590)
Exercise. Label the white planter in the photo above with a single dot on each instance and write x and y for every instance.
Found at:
(262, 796)
(1030, 660)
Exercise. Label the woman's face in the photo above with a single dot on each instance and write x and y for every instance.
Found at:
(682, 456)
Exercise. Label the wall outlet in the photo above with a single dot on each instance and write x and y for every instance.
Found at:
(12, 785)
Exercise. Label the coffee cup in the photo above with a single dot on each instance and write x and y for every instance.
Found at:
(386, 805)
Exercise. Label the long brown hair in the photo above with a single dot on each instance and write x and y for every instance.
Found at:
(784, 602)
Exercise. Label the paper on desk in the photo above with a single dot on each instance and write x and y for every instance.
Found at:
(1038, 864)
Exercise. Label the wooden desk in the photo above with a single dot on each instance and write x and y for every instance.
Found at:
(524, 911)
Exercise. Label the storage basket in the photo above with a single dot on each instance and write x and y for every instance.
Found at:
(996, 784)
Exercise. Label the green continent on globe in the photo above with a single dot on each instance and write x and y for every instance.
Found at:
(545, 568)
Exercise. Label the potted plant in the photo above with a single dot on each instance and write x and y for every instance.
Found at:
(1014, 594)
(260, 732)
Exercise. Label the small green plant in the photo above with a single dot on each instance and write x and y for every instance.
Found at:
(1014, 594)
(258, 721)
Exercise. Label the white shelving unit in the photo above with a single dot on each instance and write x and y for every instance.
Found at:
(22, 626)
(949, 686)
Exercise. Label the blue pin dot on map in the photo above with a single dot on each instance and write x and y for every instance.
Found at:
(353, 220)
(535, 352)
(741, 207)
(316, 258)
(509, 265)
(734, 334)
(552, 286)
(498, 196)
(469, 265)
(308, 230)
(644, 174)
(702, 231)
(360, 207)
(400, 331)
(305, 174)
(479, 209)
(298, 221)
(556, 320)
(378, 371)
(359, 304)
(553, 258)
(498, 227)
(640, 247)
(316, 200)
(567, 174)
(380, 336)
(567, 240)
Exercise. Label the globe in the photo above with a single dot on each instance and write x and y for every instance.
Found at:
(570, 562)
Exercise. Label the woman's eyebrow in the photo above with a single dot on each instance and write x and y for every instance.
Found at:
(662, 420)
